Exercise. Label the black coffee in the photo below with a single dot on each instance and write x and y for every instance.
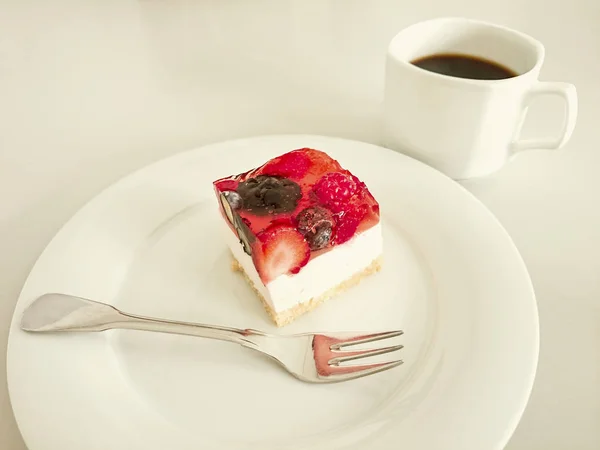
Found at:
(464, 66)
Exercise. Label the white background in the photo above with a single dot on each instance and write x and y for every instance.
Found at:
(91, 90)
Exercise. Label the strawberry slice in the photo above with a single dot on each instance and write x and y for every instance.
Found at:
(280, 249)
(297, 163)
(321, 162)
(293, 164)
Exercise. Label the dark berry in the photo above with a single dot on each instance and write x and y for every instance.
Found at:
(335, 188)
(293, 164)
(317, 225)
(242, 228)
(263, 195)
(234, 199)
(232, 202)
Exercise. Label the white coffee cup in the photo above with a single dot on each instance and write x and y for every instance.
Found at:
(466, 127)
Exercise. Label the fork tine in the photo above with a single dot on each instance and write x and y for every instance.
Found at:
(366, 338)
(349, 356)
(344, 373)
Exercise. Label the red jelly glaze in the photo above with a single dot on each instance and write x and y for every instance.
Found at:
(324, 183)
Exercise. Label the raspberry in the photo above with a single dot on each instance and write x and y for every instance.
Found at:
(293, 164)
(348, 221)
(361, 188)
(333, 189)
(359, 183)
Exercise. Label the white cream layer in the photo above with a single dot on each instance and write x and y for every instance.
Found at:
(319, 275)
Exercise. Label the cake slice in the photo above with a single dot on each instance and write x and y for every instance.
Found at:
(301, 229)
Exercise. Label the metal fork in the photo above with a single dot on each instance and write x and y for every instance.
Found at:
(310, 357)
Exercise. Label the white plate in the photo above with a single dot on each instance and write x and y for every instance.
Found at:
(452, 279)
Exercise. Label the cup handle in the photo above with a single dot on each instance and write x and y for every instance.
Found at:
(568, 92)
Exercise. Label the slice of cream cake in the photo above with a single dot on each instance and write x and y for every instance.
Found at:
(301, 228)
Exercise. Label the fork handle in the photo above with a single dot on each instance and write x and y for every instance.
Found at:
(236, 335)
(62, 312)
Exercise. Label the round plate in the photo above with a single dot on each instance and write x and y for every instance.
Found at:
(149, 244)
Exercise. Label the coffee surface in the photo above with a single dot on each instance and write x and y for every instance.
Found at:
(464, 66)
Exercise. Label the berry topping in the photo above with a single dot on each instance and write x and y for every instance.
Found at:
(335, 188)
(282, 250)
(265, 194)
(293, 164)
(347, 222)
(294, 204)
(231, 201)
(321, 162)
(317, 226)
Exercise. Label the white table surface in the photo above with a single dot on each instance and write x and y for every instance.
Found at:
(90, 91)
